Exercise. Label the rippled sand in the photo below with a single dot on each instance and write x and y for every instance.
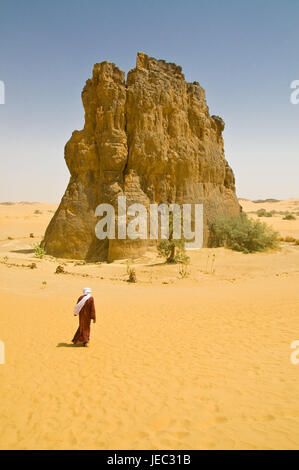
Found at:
(195, 363)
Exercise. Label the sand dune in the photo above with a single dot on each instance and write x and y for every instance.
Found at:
(284, 227)
(21, 219)
(195, 363)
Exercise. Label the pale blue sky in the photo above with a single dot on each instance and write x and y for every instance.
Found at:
(245, 55)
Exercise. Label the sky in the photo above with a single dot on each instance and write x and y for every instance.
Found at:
(244, 54)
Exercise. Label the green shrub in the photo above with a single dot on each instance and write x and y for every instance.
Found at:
(264, 213)
(173, 250)
(243, 234)
(289, 239)
(39, 252)
(184, 271)
(132, 274)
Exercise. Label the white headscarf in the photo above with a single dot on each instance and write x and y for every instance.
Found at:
(80, 304)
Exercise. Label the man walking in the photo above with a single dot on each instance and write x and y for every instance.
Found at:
(86, 310)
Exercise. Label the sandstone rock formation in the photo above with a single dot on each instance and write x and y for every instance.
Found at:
(150, 138)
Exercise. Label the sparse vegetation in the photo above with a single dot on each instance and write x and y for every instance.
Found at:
(264, 213)
(213, 263)
(32, 266)
(60, 270)
(37, 212)
(211, 259)
(132, 274)
(184, 271)
(296, 242)
(173, 250)
(39, 252)
(31, 235)
(243, 234)
(289, 217)
(289, 239)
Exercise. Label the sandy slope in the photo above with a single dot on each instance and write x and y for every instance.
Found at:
(284, 227)
(198, 363)
(19, 220)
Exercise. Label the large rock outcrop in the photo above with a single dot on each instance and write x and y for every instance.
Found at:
(150, 138)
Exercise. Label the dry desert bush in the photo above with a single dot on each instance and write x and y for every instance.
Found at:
(243, 234)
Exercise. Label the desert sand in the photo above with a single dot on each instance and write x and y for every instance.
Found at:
(284, 227)
(201, 362)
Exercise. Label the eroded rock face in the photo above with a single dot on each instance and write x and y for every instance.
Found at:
(149, 138)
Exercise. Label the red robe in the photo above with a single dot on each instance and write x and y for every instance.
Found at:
(87, 313)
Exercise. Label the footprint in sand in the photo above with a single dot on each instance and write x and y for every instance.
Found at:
(221, 419)
(180, 434)
(268, 418)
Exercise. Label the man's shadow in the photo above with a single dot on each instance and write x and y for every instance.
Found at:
(69, 345)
